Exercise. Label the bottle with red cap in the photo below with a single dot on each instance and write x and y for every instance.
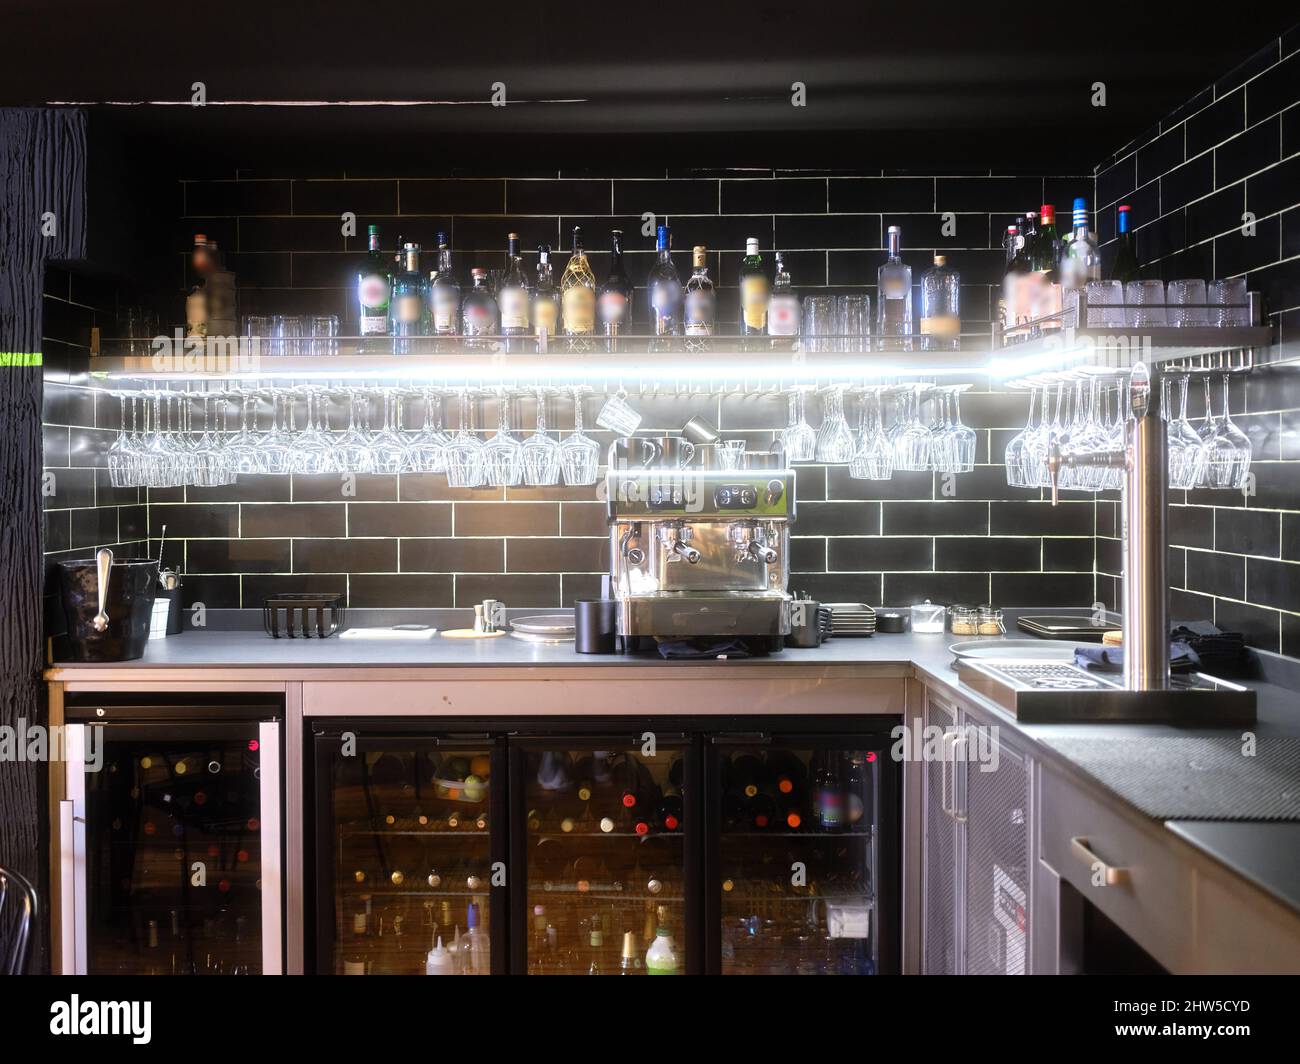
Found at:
(1126, 266)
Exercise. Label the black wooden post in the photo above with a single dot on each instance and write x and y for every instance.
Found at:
(42, 218)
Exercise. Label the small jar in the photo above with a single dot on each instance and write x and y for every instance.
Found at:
(990, 621)
(963, 620)
(927, 617)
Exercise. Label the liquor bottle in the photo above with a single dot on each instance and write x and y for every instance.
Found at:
(1080, 262)
(512, 297)
(578, 296)
(830, 796)
(596, 939)
(444, 294)
(894, 298)
(1126, 266)
(940, 307)
(1044, 255)
(614, 302)
(700, 312)
(782, 308)
(479, 316)
(1018, 280)
(753, 291)
(857, 783)
(661, 957)
(630, 962)
(665, 293)
(219, 295)
(374, 281)
(546, 298)
(406, 316)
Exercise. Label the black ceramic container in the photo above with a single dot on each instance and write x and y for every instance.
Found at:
(594, 626)
(132, 586)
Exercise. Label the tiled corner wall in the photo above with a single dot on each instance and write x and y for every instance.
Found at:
(1229, 156)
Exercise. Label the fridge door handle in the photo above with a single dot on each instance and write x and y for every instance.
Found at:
(741, 739)
(461, 738)
(946, 759)
(72, 853)
(959, 770)
(269, 796)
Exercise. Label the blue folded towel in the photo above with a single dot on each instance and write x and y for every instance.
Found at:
(1111, 659)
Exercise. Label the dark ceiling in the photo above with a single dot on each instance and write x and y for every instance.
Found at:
(971, 84)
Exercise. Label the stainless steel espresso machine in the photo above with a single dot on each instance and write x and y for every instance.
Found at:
(701, 552)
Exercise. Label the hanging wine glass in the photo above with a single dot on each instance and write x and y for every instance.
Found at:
(541, 452)
(873, 459)
(274, 449)
(119, 454)
(242, 448)
(912, 442)
(579, 453)
(1014, 455)
(835, 443)
(464, 453)
(352, 453)
(962, 438)
(313, 448)
(797, 439)
(502, 466)
(428, 446)
(388, 447)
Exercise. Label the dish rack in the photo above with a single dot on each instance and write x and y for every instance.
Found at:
(298, 610)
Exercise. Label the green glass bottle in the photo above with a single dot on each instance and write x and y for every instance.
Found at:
(374, 281)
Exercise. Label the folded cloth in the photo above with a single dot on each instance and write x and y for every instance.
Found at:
(1220, 652)
(1111, 659)
(695, 649)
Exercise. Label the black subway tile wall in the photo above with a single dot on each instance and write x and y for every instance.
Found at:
(1217, 194)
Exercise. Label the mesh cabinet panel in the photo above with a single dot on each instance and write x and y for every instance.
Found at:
(939, 859)
(997, 857)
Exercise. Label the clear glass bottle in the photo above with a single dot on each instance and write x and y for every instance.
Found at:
(480, 319)
(700, 313)
(406, 308)
(754, 290)
(512, 297)
(941, 307)
(374, 287)
(614, 301)
(578, 296)
(1081, 262)
(444, 294)
(546, 298)
(894, 298)
(665, 294)
(782, 308)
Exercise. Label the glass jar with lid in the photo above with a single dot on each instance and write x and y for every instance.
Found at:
(963, 620)
(990, 621)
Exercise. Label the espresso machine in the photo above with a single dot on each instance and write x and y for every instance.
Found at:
(700, 552)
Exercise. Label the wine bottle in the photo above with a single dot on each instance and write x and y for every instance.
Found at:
(753, 291)
(546, 298)
(614, 302)
(374, 280)
(782, 308)
(512, 297)
(480, 318)
(444, 294)
(700, 311)
(630, 962)
(665, 293)
(1126, 266)
(661, 957)
(578, 296)
(406, 312)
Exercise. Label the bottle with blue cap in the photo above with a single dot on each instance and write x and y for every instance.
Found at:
(665, 290)
(1081, 262)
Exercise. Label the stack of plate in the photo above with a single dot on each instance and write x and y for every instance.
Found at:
(544, 628)
(852, 618)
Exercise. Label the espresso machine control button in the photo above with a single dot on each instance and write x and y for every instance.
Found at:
(775, 489)
(748, 498)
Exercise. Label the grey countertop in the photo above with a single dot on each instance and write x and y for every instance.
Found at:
(1264, 853)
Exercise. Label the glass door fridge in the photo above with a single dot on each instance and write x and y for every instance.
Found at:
(801, 856)
(606, 835)
(170, 840)
(410, 850)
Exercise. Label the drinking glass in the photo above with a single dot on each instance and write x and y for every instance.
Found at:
(874, 457)
(911, 441)
(579, 453)
(731, 453)
(541, 452)
(1187, 455)
(1186, 303)
(1227, 448)
(324, 330)
(853, 322)
(288, 334)
(274, 450)
(961, 437)
(428, 447)
(313, 448)
(120, 459)
(835, 443)
(352, 453)
(819, 323)
(390, 450)
(798, 439)
(1014, 455)
(464, 452)
(502, 465)
(1105, 304)
(259, 329)
(1229, 305)
(1145, 303)
(617, 415)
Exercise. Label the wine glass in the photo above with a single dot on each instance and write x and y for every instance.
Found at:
(874, 457)
(243, 448)
(541, 452)
(579, 453)
(912, 440)
(352, 453)
(120, 458)
(835, 444)
(1227, 448)
(390, 451)
(464, 453)
(1187, 455)
(798, 439)
(1018, 445)
(962, 438)
(274, 449)
(313, 449)
(428, 446)
(502, 466)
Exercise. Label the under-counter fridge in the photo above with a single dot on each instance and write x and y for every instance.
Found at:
(170, 844)
(604, 847)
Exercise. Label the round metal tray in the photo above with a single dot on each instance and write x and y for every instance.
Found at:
(554, 625)
(1019, 649)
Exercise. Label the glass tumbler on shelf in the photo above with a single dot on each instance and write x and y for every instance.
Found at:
(819, 326)
(324, 334)
(853, 322)
(731, 453)
(1186, 304)
(1105, 304)
(1229, 303)
(1145, 303)
(258, 332)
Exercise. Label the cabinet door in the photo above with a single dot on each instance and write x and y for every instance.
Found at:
(176, 830)
(993, 801)
(800, 854)
(941, 845)
(410, 835)
(604, 861)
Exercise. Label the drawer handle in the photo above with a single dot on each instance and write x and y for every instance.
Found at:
(1112, 876)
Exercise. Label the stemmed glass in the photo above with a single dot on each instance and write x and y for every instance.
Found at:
(1019, 446)
(428, 447)
(798, 439)
(1187, 455)
(352, 453)
(464, 453)
(501, 454)
(541, 452)
(956, 443)
(390, 451)
(834, 441)
(579, 453)
(874, 457)
(212, 466)
(120, 459)
(244, 447)
(1227, 448)
(313, 449)
(912, 439)
(275, 447)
